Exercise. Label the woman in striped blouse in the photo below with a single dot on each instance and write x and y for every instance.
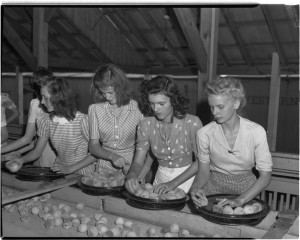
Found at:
(113, 121)
(65, 126)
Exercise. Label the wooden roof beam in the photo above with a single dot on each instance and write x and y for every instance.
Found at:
(19, 45)
(273, 32)
(234, 28)
(162, 36)
(49, 13)
(126, 38)
(104, 57)
(176, 26)
(189, 28)
(138, 35)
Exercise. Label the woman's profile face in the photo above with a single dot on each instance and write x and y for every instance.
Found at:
(223, 107)
(109, 94)
(46, 99)
(161, 106)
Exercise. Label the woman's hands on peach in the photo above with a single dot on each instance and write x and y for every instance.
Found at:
(164, 187)
(119, 162)
(132, 185)
(199, 197)
(61, 169)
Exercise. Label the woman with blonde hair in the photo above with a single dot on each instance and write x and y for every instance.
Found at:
(229, 148)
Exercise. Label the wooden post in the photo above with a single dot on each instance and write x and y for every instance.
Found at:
(40, 37)
(19, 77)
(273, 102)
(209, 28)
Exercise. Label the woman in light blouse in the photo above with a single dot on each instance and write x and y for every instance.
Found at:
(65, 126)
(170, 133)
(27, 141)
(113, 120)
(229, 147)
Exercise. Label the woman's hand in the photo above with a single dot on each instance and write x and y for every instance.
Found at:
(199, 197)
(232, 202)
(61, 169)
(132, 185)
(126, 169)
(15, 164)
(119, 162)
(12, 155)
(164, 187)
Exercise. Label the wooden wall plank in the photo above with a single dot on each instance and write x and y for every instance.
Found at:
(19, 77)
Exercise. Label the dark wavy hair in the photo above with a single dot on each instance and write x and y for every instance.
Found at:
(62, 98)
(167, 86)
(38, 76)
(109, 75)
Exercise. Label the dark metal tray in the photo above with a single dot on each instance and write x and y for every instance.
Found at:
(153, 204)
(228, 219)
(99, 191)
(35, 173)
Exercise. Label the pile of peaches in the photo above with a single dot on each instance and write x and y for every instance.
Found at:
(106, 180)
(147, 191)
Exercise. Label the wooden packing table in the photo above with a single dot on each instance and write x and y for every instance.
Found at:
(114, 206)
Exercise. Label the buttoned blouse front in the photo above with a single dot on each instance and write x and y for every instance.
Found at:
(250, 149)
(116, 133)
(70, 140)
(177, 150)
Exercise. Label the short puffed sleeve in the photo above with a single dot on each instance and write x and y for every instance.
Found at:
(43, 122)
(143, 135)
(262, 153)
(203, 145)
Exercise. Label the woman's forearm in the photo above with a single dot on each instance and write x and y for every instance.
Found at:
(202, 176)
(261, 183)
(187, 174)
(102, 153)
(88, 160)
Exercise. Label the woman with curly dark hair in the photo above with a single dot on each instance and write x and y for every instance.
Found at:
(169, 132)
(27, 141)
(65, 126)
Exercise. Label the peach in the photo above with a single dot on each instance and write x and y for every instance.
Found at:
(58, 221)
(131, 234)
(82, 228)
(79, 206)
(98, 216)
(35, 210)
(119, 221)
(227, 210)
(174, 228)
(49, 223)
(67, 225)
(75, 222)
(92, 231)
(25, 218)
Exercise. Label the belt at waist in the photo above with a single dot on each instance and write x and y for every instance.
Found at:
(175, 163)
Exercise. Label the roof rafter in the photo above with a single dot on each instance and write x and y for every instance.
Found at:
(234, 29)
(273, 32)
(99, 51)
(139, 36)
(23, 50)
(161, 35)
(189, 28)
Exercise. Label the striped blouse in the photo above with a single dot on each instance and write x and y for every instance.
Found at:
(116, 133)
(70, 140)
